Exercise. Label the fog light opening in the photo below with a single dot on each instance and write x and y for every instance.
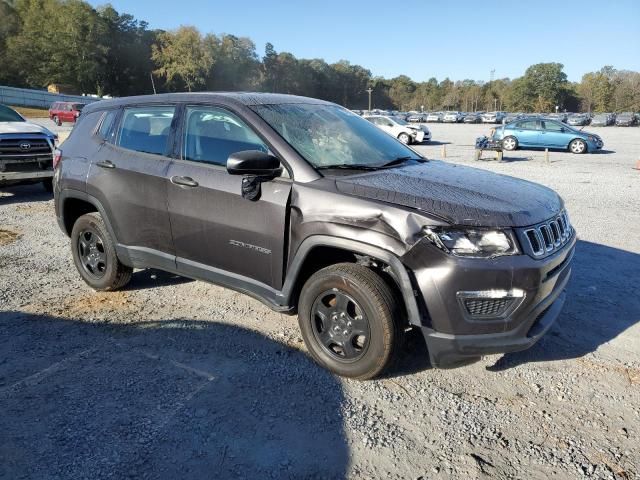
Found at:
(490, 304)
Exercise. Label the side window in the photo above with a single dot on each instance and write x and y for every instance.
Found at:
(105, 126)
(146, 129)
(211, 134)
(530, 125)
(552, 126)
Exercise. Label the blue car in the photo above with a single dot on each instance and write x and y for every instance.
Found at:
(546, 133)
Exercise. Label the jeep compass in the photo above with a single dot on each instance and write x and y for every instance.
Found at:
(313, 210)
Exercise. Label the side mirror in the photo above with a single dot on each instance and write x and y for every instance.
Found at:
(562, 129)
(253, 162)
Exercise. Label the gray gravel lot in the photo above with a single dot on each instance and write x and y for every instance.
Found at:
(173, 378)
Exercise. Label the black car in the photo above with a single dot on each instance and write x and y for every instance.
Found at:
(625, 119)
(603, 119)
(416, 118)
(315, 211)
(472, 118)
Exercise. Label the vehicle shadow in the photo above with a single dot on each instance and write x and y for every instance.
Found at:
(434, 142)
(167, 399)
(151, 278)
(602, 302)
(24, 194)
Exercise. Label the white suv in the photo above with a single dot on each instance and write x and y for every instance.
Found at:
(400, 129)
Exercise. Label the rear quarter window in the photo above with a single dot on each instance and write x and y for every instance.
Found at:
(106, 130)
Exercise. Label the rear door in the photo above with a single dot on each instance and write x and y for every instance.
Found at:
(214, 228)
(527, 133)
(128, 177)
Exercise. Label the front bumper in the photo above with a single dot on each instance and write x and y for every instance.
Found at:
(452, 337)
(594, 146)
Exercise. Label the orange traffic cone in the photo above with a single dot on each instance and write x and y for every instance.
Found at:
(637, 167)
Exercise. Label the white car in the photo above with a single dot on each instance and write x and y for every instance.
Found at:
(493, 117)
(452, 117)
(400, 129)
(435, 117)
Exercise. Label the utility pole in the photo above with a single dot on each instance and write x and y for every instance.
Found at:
(369, 90)
(492, 73)
(152, 83)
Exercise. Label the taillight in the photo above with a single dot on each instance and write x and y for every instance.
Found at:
(57, 156)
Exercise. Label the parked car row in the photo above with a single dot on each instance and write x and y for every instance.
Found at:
(625, 119)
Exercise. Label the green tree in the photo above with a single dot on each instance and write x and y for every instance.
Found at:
(57, 42)
(182, 58)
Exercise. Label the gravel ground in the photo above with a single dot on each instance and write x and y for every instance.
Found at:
(173, 378)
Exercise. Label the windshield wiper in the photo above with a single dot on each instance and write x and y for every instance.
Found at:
(349, 166)
(399, 160)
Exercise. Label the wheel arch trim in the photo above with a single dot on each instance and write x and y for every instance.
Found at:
(399, 270)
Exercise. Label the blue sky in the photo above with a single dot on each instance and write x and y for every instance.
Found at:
(456, 38)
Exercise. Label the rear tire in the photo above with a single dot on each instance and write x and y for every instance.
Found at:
(94, 254)
(350, 321)
(510, 143)
(577, 146)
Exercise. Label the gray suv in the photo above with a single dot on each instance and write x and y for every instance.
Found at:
(313, 210)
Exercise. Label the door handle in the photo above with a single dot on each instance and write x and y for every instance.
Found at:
(106, 164)
(184, 181)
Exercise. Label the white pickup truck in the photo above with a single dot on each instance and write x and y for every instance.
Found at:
(26, 150)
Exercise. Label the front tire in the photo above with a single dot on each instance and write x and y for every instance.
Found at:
(577, 146)
(94, 254)
(404, 138)
(57, 120)
(510, 143)
(349, 319)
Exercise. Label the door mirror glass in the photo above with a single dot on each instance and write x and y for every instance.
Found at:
(253, 162)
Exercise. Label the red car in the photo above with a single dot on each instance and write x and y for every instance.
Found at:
(65, 112)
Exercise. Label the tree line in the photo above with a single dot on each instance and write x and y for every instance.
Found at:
(102, 51)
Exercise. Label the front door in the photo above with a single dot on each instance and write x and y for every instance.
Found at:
(553, 134)
(128, 177)
(215, 230)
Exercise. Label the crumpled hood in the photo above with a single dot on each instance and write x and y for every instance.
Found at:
(457, 194)
(23, 127)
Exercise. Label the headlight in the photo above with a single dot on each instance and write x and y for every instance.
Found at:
(472, 242)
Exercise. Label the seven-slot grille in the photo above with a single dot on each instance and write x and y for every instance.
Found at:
(549, 236)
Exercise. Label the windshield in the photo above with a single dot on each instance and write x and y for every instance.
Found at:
(9, 115)
(399, 120)
(329, 135)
